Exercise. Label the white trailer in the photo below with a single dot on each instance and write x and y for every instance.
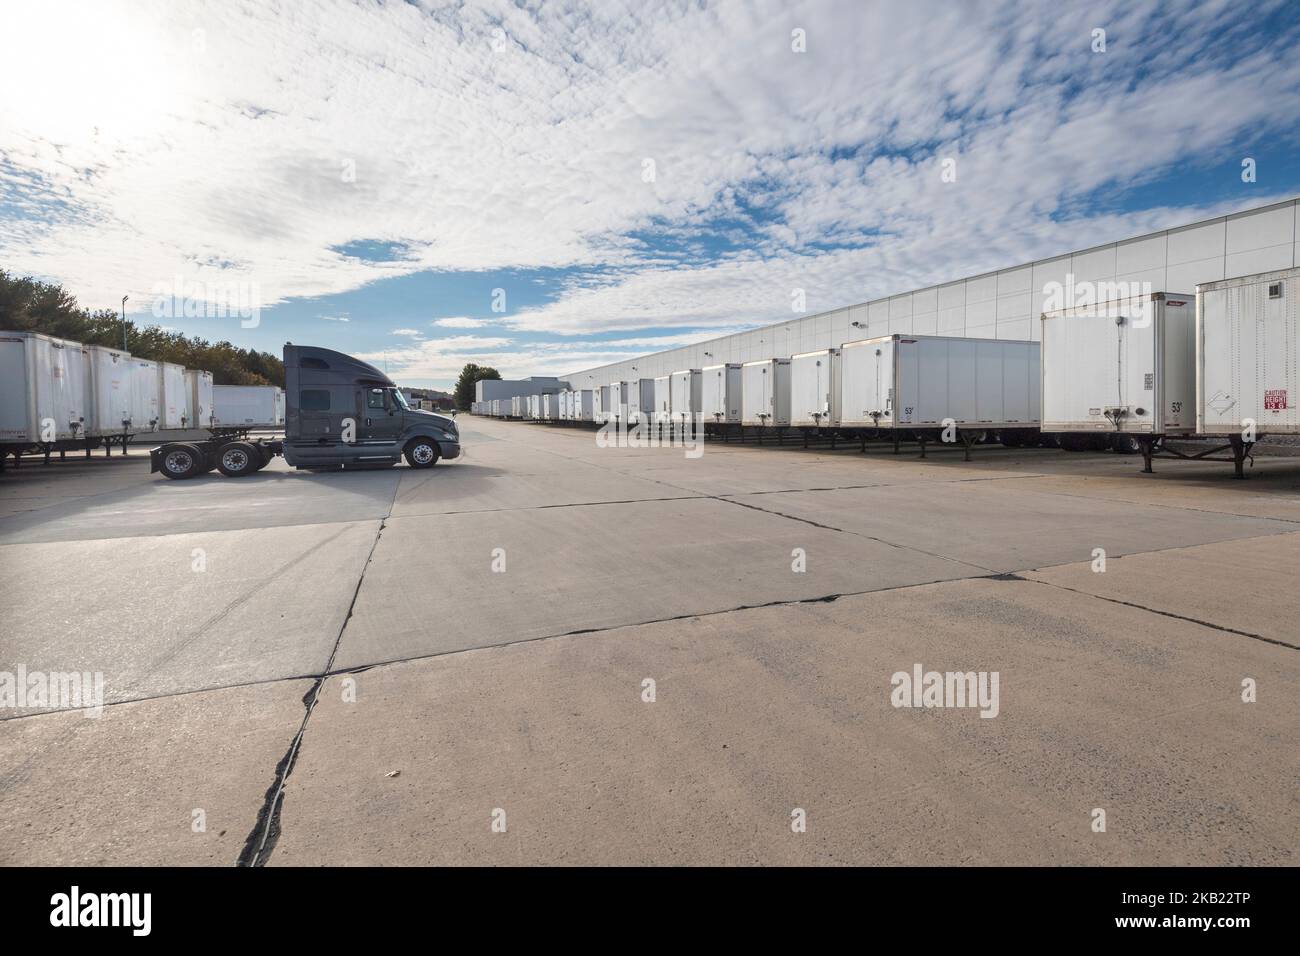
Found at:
(616, 406)
(685, 394)
(663, 407)
(1125, 368)
(1247, 365)
(584, 405)
(927, 383)
(171, 396)
(45, 392)
(1248, 355)
(246, 406)
(606, 409)
(198, 398)
(814, 398)
(765, 393)
(641, 401)
(720, 392)
(110, 391)
(146, 393)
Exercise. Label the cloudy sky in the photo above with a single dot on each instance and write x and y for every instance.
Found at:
(549, 187)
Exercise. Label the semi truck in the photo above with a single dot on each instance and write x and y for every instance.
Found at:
(340, 412)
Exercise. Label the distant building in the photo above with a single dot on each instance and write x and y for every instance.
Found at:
(489, 389)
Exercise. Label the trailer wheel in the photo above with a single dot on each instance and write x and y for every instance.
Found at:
(238, 458)
(181, 460)
(421, 452)
(1126, 444)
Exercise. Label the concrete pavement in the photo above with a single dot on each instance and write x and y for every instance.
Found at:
(486, 628)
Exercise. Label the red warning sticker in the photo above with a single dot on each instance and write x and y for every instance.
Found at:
(1275, 399)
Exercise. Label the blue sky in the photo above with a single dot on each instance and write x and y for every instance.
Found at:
(613, 178)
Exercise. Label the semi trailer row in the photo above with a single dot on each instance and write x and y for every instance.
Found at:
(56, 390)
(914, 384)
(1132, 373)
(339, 412)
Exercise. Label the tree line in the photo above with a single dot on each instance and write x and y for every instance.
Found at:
(29, 305)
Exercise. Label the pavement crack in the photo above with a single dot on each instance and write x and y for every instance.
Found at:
(261, 840)
(826, 527)
(1155, 610)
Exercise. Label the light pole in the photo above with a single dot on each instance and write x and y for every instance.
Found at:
(124, 298)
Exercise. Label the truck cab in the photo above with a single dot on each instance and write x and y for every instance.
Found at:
(340, 410)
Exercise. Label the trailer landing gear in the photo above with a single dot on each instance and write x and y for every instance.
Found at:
(1154, 446)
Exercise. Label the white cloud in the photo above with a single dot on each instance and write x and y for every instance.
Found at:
(244, 143)
(461, 322)
(413, 333)
(427, 363)
(334, 318)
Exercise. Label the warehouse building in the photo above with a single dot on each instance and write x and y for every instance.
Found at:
(1005, 304)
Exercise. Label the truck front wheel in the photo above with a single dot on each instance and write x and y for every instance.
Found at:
(238, 458)
(421, 453)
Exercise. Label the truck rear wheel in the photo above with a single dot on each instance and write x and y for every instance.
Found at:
(181, 460)
(422, 452)
(238, 458)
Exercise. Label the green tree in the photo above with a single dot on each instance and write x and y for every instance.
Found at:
(470, 374)
(29, 305)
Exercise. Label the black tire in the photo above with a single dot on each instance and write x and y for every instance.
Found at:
(422, 452)
(181, 460)
(1011, 438)
(1126, 444)
(237, 459)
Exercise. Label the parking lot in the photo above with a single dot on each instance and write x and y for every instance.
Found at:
(455, 665)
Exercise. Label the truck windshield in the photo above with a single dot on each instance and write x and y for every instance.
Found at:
(400, 399)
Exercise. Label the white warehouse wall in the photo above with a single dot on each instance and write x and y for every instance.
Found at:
(1004, 304)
